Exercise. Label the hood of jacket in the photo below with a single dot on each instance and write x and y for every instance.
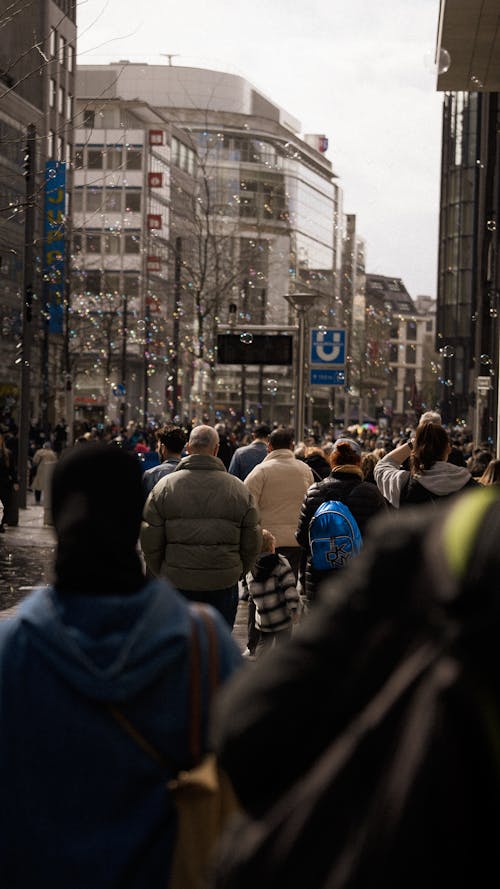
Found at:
(443, 478)
(200, 461)
(265, 565)
(108, 648)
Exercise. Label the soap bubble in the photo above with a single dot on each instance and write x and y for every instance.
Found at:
(485, 360)
(448, 352)
(246, 338)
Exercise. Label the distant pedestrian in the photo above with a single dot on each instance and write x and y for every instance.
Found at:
(85, 663)
(170, 443)
(43, 460)
(226, 444)
(248, 456)
(201, 527)
(491, 475)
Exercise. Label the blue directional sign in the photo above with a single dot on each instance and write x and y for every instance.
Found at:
(327, 377)
(327, 348)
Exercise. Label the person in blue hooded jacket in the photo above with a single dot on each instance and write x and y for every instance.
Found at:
(82, 804)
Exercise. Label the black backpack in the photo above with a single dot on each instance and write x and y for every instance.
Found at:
(409, 794)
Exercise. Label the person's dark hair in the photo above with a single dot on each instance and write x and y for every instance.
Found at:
(172, 437)
(262, 431)
(97, 503)
(368, 463)
(282, 437)
(345, 454)
(431, 443)
(456, 456)
(478, 462)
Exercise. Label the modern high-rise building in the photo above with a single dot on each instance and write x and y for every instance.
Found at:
(37, 73)
(468, 327)
(262, 220)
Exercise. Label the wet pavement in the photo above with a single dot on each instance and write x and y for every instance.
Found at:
(26, 559)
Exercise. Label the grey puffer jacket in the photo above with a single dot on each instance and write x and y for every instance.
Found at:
(200, 528)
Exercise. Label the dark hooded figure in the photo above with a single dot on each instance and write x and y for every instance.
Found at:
(82, 803)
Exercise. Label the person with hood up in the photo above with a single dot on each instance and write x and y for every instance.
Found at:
(82, 804)
(430, 476)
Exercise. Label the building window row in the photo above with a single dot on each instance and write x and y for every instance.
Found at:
(112, 283)
(108, 158)
(183, 157)
(117, 200)
(62, 51)
(111, 243)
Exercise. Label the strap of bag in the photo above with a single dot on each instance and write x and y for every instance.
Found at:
(194, 701)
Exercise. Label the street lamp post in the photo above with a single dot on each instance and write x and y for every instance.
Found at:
(301, 302)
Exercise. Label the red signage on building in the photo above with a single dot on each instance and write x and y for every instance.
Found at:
(155, 180)
(156, 137)
(154, 221)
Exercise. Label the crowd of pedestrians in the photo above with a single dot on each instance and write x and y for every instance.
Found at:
(161, 535)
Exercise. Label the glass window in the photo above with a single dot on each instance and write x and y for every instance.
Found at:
(114, 158)
(60, 100)
(93, 282)
(79, 159)
(71, 58)
(113, 199)
(52, 144)
(52, 93)
(410, 355)
(60, 148)
(111, 282)
(94, 199)
(88, 118)
(112, 243)
(134, 159)
(77, 241)
(93, 243)
(69, 107)
(77, 200)
(394, 332)
(131, 284)
(132, 201)
(52, 42)
(94, 158)
(393, 353)
(62, 49)
(132, 243)
(411, 330)
(429, 326)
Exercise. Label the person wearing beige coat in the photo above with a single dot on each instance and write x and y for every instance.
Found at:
(278, 485)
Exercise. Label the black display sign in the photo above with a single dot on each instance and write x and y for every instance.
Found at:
(260, 348)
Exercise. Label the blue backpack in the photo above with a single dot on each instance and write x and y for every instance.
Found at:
(334, 536)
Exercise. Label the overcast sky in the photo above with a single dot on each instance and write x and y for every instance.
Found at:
(356, 70)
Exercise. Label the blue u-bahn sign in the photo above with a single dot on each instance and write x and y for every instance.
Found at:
(327, 348)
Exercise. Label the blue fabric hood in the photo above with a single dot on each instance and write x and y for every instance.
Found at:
(109, 648)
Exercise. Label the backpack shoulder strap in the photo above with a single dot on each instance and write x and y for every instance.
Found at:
(195, 692)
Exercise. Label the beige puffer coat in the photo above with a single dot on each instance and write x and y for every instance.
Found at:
(200, 526)
(278, 485)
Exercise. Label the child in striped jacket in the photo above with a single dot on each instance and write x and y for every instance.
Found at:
(271, 586)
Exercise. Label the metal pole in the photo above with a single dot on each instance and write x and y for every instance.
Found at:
(27, 334)
(299, 406)
(123, 403)
(176, 327)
